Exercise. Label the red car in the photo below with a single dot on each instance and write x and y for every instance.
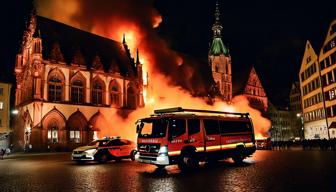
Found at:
(104, 150)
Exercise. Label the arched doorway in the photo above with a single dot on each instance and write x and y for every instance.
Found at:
(96, 124)
(131, 97)
(77, 128)
(53, 134)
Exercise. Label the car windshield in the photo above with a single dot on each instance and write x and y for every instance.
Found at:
(152, 128)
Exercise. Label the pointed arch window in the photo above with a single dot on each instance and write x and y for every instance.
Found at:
(77, 91)
(55, 88)
(131, 98)
(53, 132)
(74, 136)
(115, 94)
(97, 93)
(77, 125)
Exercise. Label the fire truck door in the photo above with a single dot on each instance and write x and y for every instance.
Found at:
(212, 136)
(176, 136)
(195, 135)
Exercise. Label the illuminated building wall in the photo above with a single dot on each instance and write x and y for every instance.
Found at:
(66, 80)
(246, 82)
(281, 123)
(327, 60)
(312, 99)
(295, 98)
(255, 92)
(5, 89)
(296, 110)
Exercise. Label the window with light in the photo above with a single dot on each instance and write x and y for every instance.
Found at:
(55, 87)
(97, 93)
(77, 91)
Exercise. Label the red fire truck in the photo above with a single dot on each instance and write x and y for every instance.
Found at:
(188, 136)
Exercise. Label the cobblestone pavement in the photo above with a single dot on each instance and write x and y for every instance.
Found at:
(290, 170)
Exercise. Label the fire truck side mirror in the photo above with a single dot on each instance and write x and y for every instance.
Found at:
(137, 128)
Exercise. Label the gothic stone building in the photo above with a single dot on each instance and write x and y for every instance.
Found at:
(67, 79)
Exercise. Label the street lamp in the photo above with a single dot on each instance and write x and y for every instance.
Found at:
(15, 112)
(299, 115)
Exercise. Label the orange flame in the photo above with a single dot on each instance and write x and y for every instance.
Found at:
(158, 91)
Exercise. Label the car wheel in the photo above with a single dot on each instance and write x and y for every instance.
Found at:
(102, 158)
(160, 166)
(80, 162)
(132, 155)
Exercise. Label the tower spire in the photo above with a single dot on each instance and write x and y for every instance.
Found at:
(124, 39)
(217, 13)
(217, 26)
(137, 55)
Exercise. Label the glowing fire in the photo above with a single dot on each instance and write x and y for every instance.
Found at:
(156, 21)
(138, 30)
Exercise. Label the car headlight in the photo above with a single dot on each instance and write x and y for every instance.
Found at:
(163, 150)
(91, 151)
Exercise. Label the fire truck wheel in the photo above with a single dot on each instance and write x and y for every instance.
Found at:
(132, 155)
(188, 161)
(102, 158)
(238, 158)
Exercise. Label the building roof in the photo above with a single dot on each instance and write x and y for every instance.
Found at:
(218, 47)
(239, 80)
(80, 46)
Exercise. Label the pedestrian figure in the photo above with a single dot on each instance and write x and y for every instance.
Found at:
(2, 153)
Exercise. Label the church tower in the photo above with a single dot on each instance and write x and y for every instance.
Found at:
(220, 61)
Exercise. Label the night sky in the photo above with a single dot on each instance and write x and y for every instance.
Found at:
(268, 35)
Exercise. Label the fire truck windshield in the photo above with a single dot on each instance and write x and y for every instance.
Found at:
(152, 128)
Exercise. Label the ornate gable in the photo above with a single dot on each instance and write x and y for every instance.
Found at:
(253, 79)
(56, 54)
(309, 57)
(78, 59)
(114, 68)
(255, 92)
(97, 64)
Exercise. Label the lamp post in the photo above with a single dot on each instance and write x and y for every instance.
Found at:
(299, 115)
(15, 112)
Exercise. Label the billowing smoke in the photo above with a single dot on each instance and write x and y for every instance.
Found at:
(179, 76)
(137, 19)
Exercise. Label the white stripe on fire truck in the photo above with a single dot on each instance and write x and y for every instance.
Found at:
(228, 146)
(199, 149)
(215, 147)
(174, 152)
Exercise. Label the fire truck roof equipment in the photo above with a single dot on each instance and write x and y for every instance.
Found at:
(180, 109)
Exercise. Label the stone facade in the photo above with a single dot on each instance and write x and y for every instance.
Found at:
(66, 80)
(5, 130)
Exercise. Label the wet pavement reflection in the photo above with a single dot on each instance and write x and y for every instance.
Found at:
(266, 171)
